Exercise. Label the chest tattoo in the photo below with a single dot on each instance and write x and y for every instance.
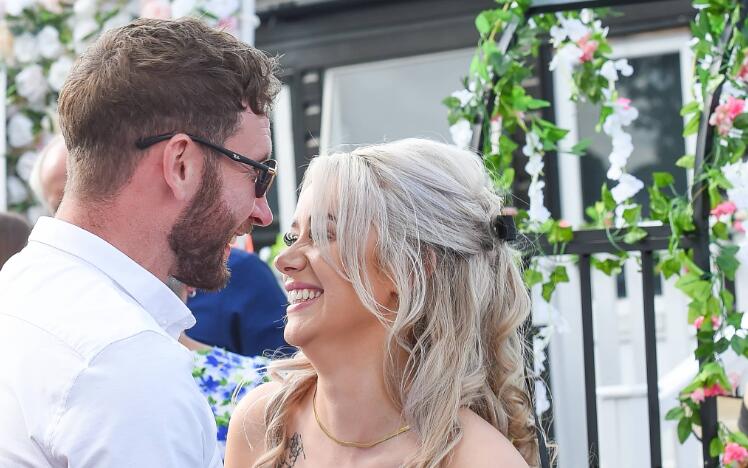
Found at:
(295, 448)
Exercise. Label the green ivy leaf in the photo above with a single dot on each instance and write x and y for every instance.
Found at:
(670, 266)
(727, 262)
(581, 147)
(684, 429)
(716, 447)
(559, 275)
(693, 286)
(720, 230)
(741, 122)
(687, 161)
(692, 126)
(609, 266)
(662, 179)
(548, 289)
(634, 235)
(532, 277)
(690, 108)
(482, 24)
(675, 413)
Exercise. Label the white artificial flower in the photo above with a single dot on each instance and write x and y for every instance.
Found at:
(538, 213)
(20, 131)
(619, 155)
(25, 164)
(627, 187)
(574, 28)
(83, 28)
(558, 35)
(85, 8)
(586, 15)
(32, 84)
(495, 134)
(17, 191)
(58, 71)
(464, 97)
(620, 209)
(609, 72)
(462, 133)
(16, 7)
(532, 145)
(534, 166)
(622, 65)
(25, 48)
(49, 43)
(737, 175)
(569, 54)
(542, 403)
(117, 21)
(180, 8)
(221, 8)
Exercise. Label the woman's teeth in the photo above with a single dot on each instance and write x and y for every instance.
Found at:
(301, 295)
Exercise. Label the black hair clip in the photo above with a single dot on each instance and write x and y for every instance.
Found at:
(503, 227)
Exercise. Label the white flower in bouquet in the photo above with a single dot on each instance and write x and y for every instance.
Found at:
(535, 165)
(567, 55)
(85, 8)
(462, 133)
(58, 71)
(32, 84)
(221, 8)
(627, 187)
(25, 164)
(17, 191)
(20, 131)
(83, 28)
(25, 48)
(180, 8)
(49, 43)
(120, 19)
(16, 7)
(737, 175)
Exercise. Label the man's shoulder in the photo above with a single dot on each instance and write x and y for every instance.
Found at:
(70, 302)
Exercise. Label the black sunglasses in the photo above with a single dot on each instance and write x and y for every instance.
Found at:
(266, 170)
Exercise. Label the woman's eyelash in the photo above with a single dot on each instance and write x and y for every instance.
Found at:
(289, 238)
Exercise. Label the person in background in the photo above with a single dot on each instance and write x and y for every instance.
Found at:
(166, 124)
(246, 317)
(223, 376)
(14, 233)
(48, 176)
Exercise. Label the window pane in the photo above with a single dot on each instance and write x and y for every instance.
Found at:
(655, 90)
(391, 99)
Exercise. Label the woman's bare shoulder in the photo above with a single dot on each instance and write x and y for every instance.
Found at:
(483, 446)
(245, 441)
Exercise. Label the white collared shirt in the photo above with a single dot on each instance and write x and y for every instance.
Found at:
(92, 374)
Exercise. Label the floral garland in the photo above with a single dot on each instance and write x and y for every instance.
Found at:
(39, 40)
(580, 42)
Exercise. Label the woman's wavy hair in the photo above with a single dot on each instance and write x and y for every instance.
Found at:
(461, 296)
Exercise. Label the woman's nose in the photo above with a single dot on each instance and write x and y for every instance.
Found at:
(289, 261)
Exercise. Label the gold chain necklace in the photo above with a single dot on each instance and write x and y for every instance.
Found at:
(352, 444)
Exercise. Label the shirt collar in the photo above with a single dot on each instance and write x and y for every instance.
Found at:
(151, 293)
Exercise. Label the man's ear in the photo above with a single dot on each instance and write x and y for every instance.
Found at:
(182, 166)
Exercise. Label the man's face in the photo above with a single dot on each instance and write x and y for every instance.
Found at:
(223, 208)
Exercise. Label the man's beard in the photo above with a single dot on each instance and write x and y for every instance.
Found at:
(200, 236)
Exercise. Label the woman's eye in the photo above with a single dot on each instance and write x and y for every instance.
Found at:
(289, 238)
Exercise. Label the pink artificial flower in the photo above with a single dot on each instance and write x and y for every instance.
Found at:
(588, 48)
(625, 103)
(562, 223)
(724, 208)
(697, 323)
(715, 390)
(156, 9)
(697, 396)
(734, 453)
(738, 227)
(725, 113)
(230, 24)
(743, 72)
(734, 380)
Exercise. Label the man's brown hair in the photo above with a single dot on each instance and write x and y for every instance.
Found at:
(152, 77)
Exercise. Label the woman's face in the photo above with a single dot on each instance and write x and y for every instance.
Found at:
(324, 307)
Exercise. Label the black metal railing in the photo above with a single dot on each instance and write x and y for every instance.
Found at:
(587, 243)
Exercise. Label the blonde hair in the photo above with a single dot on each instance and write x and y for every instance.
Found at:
(459, 288)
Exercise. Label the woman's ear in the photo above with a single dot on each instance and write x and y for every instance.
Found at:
(182, 167)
